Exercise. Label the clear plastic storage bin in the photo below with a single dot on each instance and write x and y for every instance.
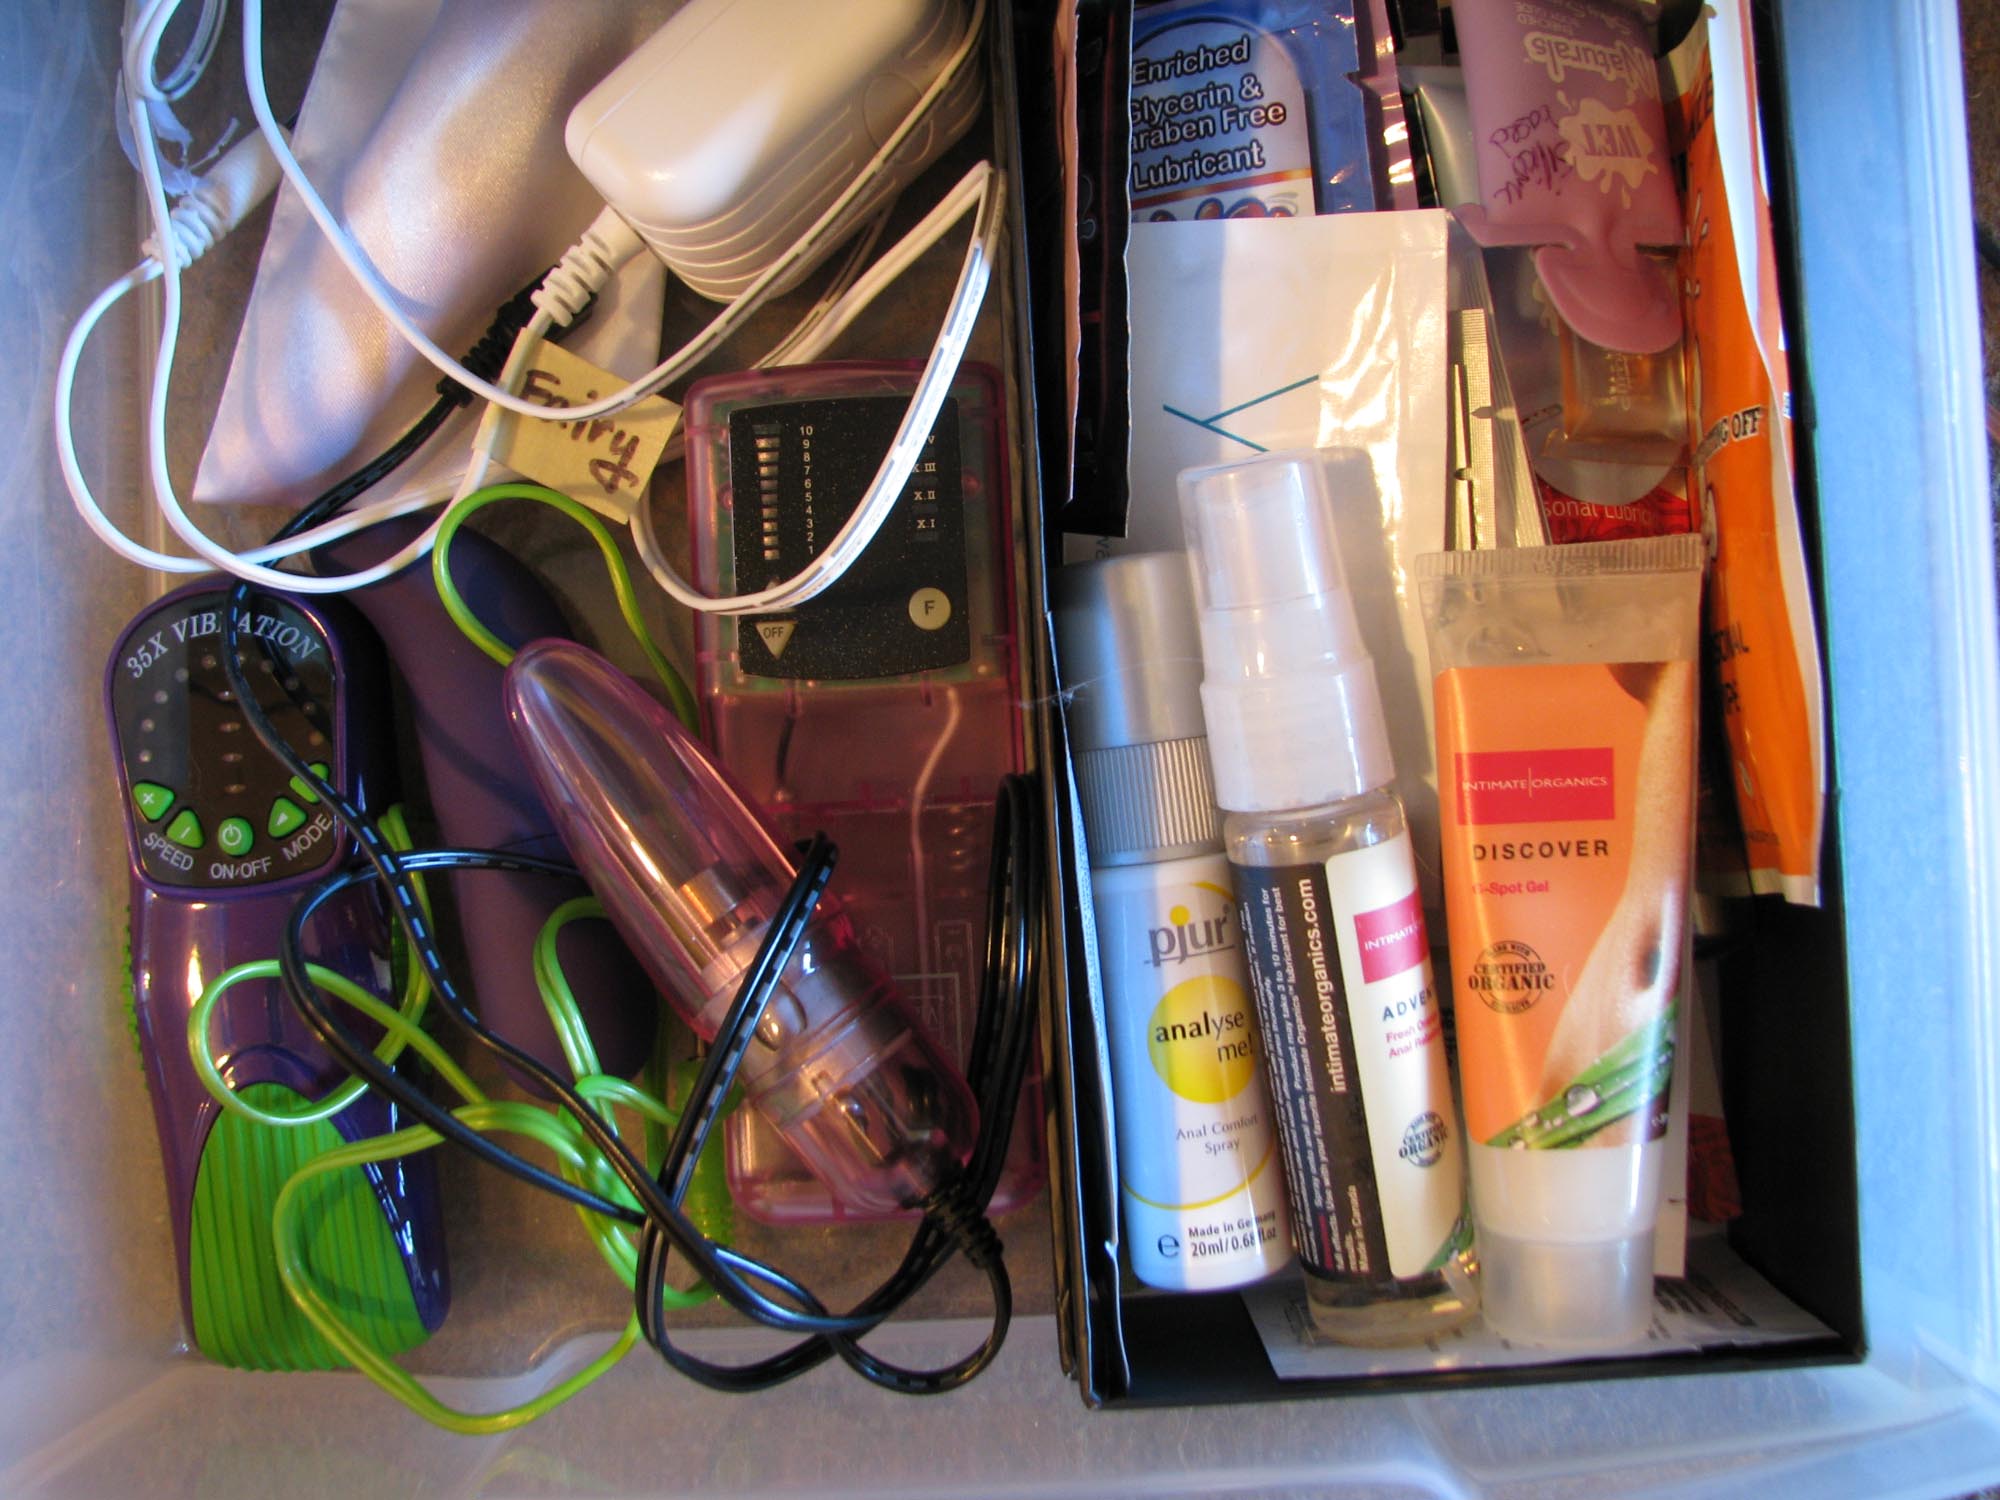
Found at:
(97, 1398)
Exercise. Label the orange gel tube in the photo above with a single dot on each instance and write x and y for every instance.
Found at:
(1566, 697)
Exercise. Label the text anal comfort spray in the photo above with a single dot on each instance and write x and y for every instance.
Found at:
(1201, 1189)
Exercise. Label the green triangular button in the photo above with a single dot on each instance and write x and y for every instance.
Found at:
(185, 830)
(285, 816)
(151, 799)
(303, 792)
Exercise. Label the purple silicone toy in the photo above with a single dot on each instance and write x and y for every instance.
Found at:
(481, 796)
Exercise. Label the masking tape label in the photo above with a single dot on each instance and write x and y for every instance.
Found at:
(605, 460)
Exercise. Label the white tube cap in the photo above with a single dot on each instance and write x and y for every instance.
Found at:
(1594, 1295)
(1294, 715)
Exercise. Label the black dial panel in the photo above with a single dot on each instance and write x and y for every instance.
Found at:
(209, 805)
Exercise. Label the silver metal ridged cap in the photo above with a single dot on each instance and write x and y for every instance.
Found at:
(1147, 802)
(1129, 651)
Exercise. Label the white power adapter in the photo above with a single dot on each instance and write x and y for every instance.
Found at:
(731, 130)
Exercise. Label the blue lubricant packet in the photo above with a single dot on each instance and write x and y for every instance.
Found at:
(1250, 108)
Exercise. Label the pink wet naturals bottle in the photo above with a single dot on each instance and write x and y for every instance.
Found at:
(691, 879)
(1571, 144)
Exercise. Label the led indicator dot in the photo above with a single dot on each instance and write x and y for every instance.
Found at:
(146, 726)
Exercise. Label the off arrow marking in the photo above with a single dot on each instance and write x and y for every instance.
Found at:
(776, 635)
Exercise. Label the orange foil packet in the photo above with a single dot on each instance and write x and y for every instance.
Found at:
(1758, 640)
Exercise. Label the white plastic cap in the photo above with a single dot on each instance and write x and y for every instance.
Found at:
(1294, 715)
(1595, 1295)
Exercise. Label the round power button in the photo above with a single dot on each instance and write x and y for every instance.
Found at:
(930, 609)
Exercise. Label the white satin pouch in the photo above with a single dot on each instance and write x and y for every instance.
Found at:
(434, 128)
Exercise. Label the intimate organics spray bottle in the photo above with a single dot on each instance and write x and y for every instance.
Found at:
(1332, 922)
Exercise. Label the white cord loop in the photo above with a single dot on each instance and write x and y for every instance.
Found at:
(250, 171)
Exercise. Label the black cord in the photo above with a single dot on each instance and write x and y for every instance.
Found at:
(723, 1270)
(734, 1277)
(954, 1216)
(359, 1058)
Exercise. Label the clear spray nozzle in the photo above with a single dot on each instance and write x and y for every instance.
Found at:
(1294, 715)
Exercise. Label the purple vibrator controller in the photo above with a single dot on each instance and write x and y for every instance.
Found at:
(223, 839)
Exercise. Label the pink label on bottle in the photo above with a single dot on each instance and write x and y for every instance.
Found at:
(1535, 786)
(1391, 938)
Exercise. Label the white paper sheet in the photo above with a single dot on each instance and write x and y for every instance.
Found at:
(1255, 335)
(1721, 1303)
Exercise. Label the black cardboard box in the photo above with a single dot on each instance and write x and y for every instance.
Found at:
(1787, 1074)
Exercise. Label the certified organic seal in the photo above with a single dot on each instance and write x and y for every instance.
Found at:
(1510, 976)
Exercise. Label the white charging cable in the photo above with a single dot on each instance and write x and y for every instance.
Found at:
(156, 415)
(237, 183)
(981, 191)
(595, 258)
(241, 179)
(831, 223)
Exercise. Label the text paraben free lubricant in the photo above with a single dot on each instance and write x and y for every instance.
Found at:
(1332, 923)
(1201, 1191)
